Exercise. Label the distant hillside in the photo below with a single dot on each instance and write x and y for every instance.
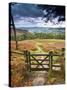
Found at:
(19, 31)
(44, 29)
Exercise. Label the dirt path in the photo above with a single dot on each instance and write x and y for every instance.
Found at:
(38, 77)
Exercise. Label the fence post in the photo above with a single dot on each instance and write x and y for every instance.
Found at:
(29, 61)
(26, 58)
(63, 51)
(51, 60)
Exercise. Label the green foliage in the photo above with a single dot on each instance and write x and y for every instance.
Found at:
(39, 36)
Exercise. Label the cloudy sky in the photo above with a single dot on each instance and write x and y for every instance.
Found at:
(33, 15)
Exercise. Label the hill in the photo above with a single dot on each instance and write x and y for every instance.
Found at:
(19, 31)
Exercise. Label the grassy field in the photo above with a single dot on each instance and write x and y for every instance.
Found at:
(44, 44)
(19, 74)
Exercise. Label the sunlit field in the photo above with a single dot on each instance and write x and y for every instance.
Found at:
(20, 75)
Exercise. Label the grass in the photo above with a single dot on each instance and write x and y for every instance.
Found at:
(17, 66)
(49, 40)
(44, 44)
(19, 75)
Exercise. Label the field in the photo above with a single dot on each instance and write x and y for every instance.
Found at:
(45, 44)
(19, 74)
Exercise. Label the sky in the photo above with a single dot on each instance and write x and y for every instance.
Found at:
(38, 15)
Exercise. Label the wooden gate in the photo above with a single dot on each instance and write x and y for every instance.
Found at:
(38, 62)
(41, 62)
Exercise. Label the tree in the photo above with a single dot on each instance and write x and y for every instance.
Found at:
(52, 11)
(11, 23)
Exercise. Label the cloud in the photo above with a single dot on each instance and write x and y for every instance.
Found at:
(36, 15)
(45, 12)
(37, 22)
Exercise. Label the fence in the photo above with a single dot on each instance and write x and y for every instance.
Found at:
(39, 64)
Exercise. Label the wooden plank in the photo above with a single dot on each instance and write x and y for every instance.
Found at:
(39, 64)
(56, 65)
(39, 54)
(56, 68)
(39, 69)
(45, 55)
(57, 54)
(46, 60)
(17, 52)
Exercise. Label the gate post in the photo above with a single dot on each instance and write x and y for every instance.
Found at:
(29, 61)
(51, 60)
(26, 58)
